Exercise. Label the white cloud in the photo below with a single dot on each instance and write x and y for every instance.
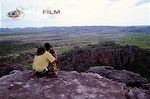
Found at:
(77, 12)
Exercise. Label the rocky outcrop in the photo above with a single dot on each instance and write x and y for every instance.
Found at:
(106, 54)
(68, 85)
(136, 93)
(5, 69)
(122, 76)
(129, 78)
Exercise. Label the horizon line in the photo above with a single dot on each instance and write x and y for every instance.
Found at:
(76, 26)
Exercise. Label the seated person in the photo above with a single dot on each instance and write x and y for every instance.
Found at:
(50, 49)
(44, 62)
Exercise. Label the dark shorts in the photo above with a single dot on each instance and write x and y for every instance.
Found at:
(47, 71)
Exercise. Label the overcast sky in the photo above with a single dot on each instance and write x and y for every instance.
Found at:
(77, 13)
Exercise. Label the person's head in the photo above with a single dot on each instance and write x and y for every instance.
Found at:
(47, 46)
(40, 51)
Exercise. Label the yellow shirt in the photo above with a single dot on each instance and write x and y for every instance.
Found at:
(42, 61)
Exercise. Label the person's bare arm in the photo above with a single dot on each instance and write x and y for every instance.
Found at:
(55, 66)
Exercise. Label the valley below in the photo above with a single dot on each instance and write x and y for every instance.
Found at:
(95, 62)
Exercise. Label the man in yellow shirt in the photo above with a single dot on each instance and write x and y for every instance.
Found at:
(44, 62)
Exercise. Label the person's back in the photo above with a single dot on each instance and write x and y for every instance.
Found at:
(42, 61)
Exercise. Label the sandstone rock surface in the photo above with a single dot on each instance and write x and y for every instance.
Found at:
(68, 85)
(122, 76)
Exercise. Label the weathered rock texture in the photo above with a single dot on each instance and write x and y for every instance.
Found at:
(122, 76)
(6, 69)
(102, 55)
(68, 85)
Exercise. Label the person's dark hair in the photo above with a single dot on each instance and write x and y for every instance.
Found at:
(47, 46)
(40, 51)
